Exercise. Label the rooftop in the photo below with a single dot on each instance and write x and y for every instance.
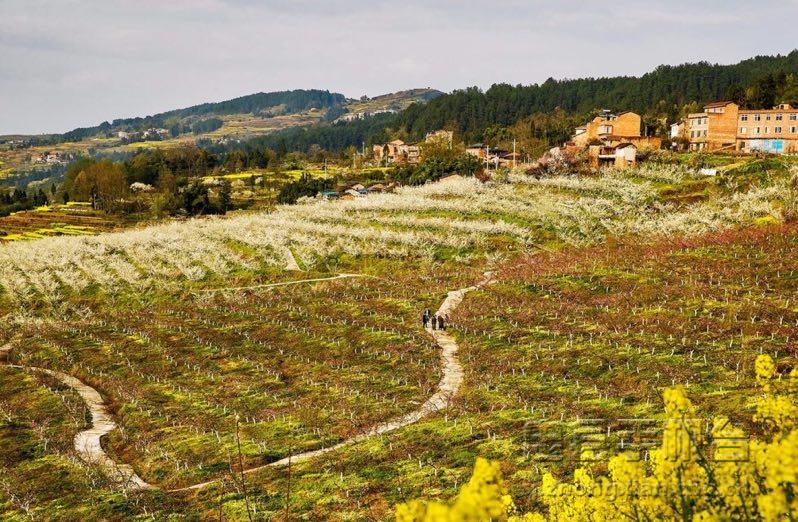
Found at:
(714, 104)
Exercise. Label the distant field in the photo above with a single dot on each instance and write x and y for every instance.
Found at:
(236, 127)
(398, 101)
(59, 220)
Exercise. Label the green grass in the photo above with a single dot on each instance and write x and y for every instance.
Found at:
(589, 332)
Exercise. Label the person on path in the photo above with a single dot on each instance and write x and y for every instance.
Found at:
(425, 317)
(441, 324)
(434, 322)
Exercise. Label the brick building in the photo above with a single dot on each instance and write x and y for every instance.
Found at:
(397, 151)
(607, 127)
(713, 129)
(612, 140)
(768, 130)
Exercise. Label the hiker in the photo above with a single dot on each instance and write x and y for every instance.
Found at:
(425, 318)
(434, 322)
(441, 324)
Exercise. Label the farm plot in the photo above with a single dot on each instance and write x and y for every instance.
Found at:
(59, 221)
(300, 366)
(38, 419)
(176, 326)
(463, 219)
(592, 337)
(572, 350)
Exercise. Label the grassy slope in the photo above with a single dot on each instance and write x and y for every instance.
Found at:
(304, 366)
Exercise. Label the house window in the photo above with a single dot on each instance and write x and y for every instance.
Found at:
(777, 130)
(758, 130)
(744, 117)
(792, 129)
(743, 130)
(779, 117)
(767, 129)
(793, 117)
(767, 117)
(705, 134)
(757, 117)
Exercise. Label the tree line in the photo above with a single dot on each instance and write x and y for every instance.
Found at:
(661, 93)
(17, 199)
(544, 115)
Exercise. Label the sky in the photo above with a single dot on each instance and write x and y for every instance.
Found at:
(71, 63)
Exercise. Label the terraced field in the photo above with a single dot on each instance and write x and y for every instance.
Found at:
(59, 221)
(215, 361)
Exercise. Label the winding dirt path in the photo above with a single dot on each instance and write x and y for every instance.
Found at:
(88, 443)
(447, 388)
(284, 283)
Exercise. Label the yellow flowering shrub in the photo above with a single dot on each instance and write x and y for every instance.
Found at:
(484, 497)
(695, 474)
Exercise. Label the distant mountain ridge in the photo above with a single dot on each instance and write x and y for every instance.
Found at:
(290, 102)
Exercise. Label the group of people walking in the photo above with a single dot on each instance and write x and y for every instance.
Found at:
(438, 322)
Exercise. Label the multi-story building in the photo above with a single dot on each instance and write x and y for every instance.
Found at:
(612, 140)
(397, 151)
(768, 130)
(714, 129)
(608, 127)
(724, 126)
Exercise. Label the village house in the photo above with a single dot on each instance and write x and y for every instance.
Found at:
(478, 150)
(619, 156)
(677, 130)
(612, 140)
(768, 130)
(610, 130)
(723, 126)
(154, 133)
(624, 125)
(49, 157)
(494, 157)
(714, 129)
(397, 151)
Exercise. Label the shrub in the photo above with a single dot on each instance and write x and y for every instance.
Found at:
(696, 474)
(305, 186)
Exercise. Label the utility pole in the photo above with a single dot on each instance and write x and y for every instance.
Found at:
(514, 162)
(487, 157)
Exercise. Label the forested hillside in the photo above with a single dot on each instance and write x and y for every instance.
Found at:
(755, 82)
(289, 101)
(547, 112)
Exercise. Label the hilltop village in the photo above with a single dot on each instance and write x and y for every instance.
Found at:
(614, 140)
